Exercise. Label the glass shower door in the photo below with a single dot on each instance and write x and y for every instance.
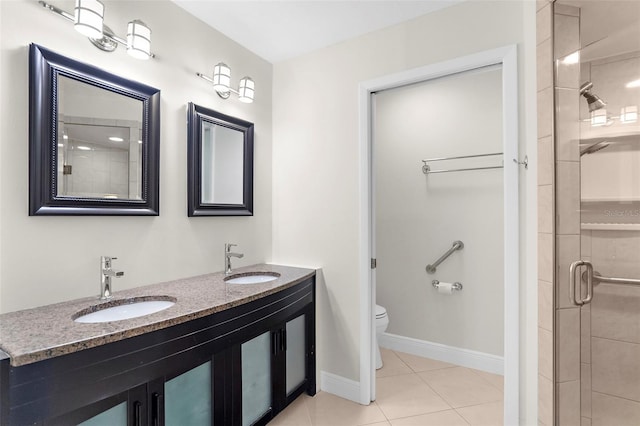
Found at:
(610, 243)
(598, 157)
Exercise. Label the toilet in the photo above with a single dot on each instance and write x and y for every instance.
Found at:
(382, 322)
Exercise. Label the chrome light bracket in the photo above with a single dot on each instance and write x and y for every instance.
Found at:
(107, 42)
(224, 95)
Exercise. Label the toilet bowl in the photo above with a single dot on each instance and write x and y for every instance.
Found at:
(382, 322)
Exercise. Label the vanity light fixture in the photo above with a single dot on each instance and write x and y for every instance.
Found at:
(246, 90)
(138, 40)
(222, 79)
(88, 20)
(222, 84)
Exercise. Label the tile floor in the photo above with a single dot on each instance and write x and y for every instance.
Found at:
(412, 391)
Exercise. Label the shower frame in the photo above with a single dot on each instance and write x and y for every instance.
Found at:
(571, 373)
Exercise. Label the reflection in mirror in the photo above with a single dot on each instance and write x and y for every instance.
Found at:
(94, 140)
(222, 152)
(99, 143)
(220, 164)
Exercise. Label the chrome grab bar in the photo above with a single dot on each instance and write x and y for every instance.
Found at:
(457, 245)
(460, 156)
(577, 299)
(426, 169)
(600, 279)
(589, 276)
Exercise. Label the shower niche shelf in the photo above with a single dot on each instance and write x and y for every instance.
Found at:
(610, 226)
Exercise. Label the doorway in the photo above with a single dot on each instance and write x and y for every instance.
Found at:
(503, 59)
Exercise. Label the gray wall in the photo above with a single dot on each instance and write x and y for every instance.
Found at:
(419, 216)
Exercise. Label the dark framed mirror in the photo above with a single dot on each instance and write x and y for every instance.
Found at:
(219, 164)
(94, 140)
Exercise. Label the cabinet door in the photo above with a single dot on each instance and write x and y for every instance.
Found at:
(256, 378)
(114, 416)
(188, 397)
(128, 408)
(296, 351)
(293, 359)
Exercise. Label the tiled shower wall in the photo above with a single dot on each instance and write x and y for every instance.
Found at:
(558, 215)
(98, 172)
(546, 213)
(566, 28)
(611, 331)
(588, 373)
(610, 325)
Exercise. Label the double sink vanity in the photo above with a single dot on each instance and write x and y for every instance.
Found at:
(230, 349)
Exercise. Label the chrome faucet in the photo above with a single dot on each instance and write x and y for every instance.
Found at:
(228, 254)
(105, 276)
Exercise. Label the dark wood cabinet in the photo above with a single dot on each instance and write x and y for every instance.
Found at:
(128, 408)
(237, 367)
(272, 366)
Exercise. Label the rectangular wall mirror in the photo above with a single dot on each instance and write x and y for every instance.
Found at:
(220, 164)
(94, 140)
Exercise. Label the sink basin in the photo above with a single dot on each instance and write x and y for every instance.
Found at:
(119, 310)
(251, 277)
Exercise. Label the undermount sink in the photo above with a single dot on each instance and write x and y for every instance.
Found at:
(251, 277)
(119, 310)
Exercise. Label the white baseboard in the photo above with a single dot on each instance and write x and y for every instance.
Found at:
(350, 389)
(340, 386)
(463, 357)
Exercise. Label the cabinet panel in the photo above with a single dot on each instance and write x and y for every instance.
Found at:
(256, 378)
(115, 416)
(295, 353)
(125, 409)
(188, 397)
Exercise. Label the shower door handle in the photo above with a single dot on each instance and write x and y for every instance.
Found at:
(575, 284)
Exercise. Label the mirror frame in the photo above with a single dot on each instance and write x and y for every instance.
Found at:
(196, 116)
(45, 68)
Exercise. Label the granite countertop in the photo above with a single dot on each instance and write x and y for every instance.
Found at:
(37, 334)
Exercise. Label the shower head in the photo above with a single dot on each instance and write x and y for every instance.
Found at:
(594, 148)
(593, 101)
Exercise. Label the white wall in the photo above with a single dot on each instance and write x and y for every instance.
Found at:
(316, 158)
(51, 259)
(418, 216)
